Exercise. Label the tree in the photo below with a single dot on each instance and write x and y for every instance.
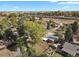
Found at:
(59, 34)
(13, 19)
(36, 31)
(10, 36)
(4, 24)
(75, 26)
(25, 49)
(32, 18)
(48, 25)
(52, 23)
(21, 27)
(1, 32)
(69, 34)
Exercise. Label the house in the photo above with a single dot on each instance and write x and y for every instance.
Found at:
(71, 49)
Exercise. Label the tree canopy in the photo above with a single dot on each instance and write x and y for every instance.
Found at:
(36, 31)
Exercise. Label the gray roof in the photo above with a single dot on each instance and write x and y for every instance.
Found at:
(70, 48)
(50, 37)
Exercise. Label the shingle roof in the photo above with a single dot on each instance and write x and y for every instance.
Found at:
(70, 48)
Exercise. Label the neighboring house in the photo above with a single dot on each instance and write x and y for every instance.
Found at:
(71, 49)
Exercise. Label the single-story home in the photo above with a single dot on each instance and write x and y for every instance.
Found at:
(71, 49)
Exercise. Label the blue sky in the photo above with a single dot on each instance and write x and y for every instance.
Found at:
(39, 5)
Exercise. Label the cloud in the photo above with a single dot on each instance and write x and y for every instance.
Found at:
(53, 1)
(5, 5)
(66, 8)
(69, 2)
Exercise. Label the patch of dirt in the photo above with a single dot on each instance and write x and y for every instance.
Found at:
(41, 47)
(7, 53)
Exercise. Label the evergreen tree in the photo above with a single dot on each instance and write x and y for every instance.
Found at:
(69, 34)
(75, 26)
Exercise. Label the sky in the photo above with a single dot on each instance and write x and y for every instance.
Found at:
(39, 6)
